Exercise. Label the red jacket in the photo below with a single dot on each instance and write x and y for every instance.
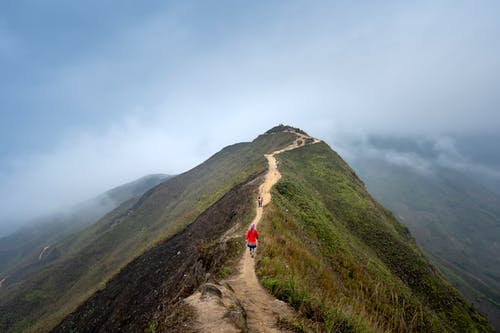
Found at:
(252, 236)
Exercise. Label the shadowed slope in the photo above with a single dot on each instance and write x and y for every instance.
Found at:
(146, 291)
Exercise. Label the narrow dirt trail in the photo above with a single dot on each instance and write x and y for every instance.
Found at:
(262, 310)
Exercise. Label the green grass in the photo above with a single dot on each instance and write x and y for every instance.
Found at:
(454, 219)
(344, 262)
(152, 327)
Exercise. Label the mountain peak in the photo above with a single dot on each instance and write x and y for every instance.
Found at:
(285, 128)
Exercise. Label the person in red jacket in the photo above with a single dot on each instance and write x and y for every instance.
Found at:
(251, 237)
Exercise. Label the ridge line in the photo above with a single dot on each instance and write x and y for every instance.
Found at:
(261, 310)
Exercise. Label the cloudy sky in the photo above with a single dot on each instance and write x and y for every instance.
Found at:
(97, 93)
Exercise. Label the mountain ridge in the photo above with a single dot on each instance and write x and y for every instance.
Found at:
(325, 243)
(99, 252)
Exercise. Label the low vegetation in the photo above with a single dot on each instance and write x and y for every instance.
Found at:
(453, 218)
(344, 262)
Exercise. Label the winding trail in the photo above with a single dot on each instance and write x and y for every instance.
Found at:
(262, 310)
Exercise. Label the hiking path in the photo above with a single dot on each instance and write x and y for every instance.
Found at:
(259, 311)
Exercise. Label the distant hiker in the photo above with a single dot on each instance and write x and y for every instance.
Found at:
(251, 237)
(260, 200)
(276, 164)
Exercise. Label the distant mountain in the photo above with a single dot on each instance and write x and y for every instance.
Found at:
(454, 218)
(130, 190)
(22, 252)
(330, 251)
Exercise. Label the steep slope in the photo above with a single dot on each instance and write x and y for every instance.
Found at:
(87, 260)
(146, 293)
(454, 219)
(344, 262)
(24, 251)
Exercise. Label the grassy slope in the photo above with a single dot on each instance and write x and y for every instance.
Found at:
(343, 260)
(19, 252)
(455, 220)
(89, 259)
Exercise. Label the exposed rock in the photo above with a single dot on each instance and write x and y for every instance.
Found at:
(210, 289)
(238, 316)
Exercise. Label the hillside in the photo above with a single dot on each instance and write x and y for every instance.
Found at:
(148, 292)
(337, 258)
(85, 261)
(454, 219)
(344, 262)
(23, 251)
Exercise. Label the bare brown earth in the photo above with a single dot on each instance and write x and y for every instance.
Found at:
(262, 312)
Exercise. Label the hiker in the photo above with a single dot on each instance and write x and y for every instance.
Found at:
(260, 200)
(276, 164)
(251, 237)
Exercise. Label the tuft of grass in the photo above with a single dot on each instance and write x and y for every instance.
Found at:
(152, 327)
(224, 272)
(293, 325)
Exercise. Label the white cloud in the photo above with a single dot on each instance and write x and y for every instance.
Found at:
(169, 91)
(449, 156)
(86, 164)
(421, 154)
